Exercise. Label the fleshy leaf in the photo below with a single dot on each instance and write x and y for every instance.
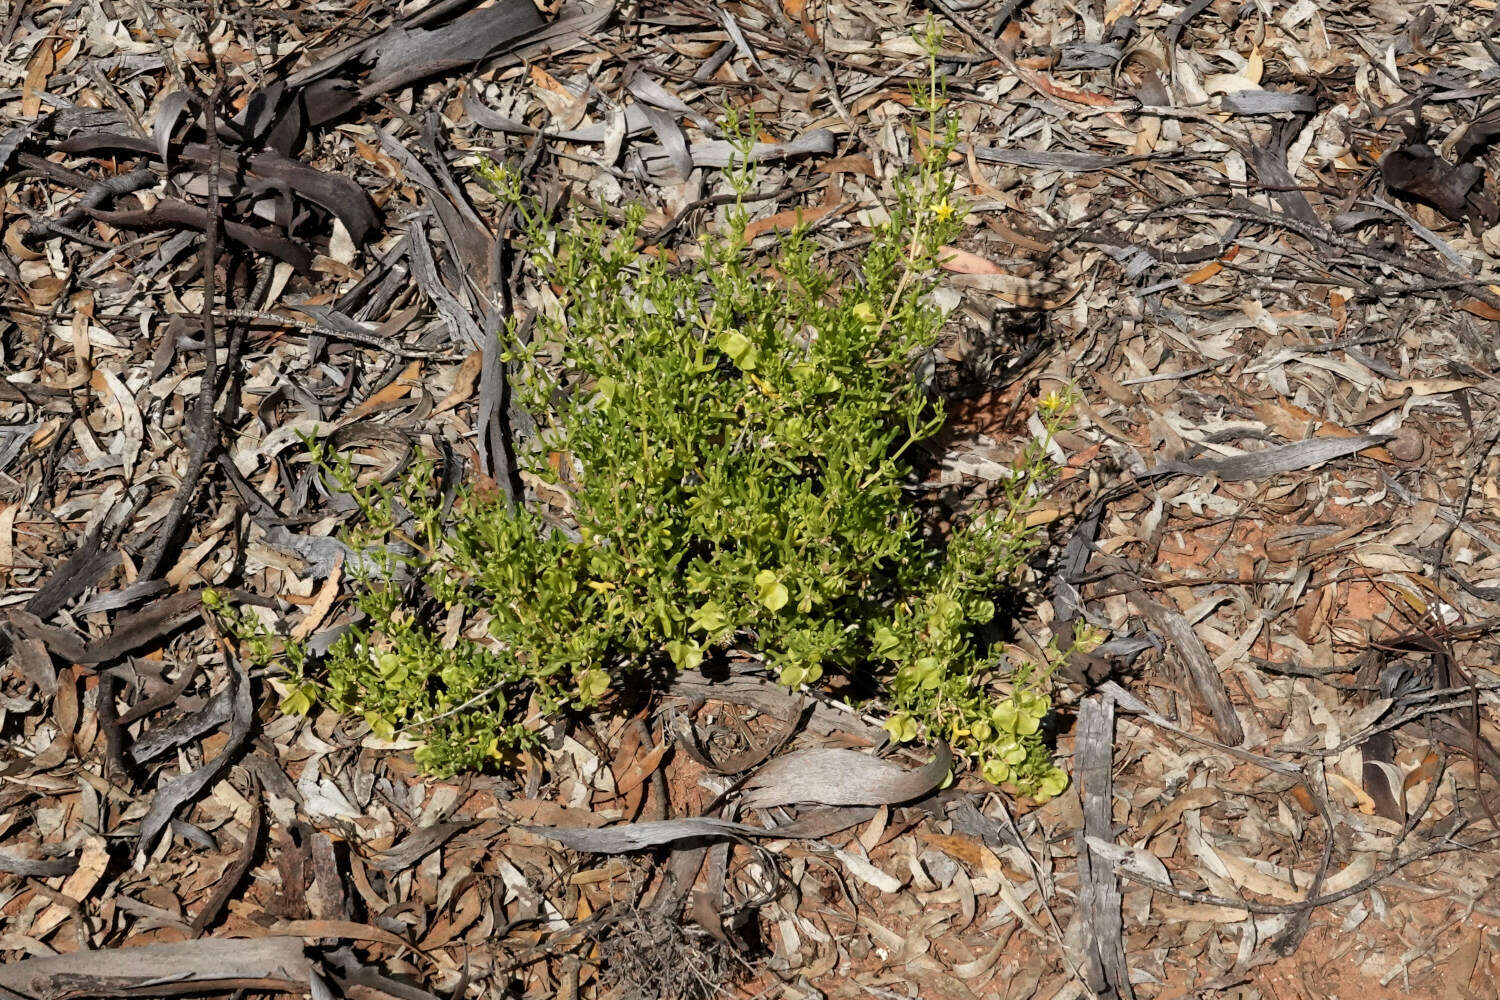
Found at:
(903, 728)
(297, 703)
(709, 617)
(686, 654)
(770, 591)
(740, 350)
(592, 684)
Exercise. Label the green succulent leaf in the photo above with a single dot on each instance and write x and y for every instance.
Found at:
(995, 771)
(929, 672)
(381, 727)
(608, 388)
(685, 653)
(770, 591)
(592, 684)
(710, 617)
(298, 702)
(740, 350)
(902, 727)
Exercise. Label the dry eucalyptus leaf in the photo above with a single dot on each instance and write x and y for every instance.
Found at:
(842, 778)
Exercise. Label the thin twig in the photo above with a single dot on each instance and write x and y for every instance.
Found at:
(348, 336)
(208, 390)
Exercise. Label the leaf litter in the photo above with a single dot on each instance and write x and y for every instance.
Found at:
(1260, 243)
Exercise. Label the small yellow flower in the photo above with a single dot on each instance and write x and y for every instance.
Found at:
(943, 210)
(763, 386)
(1088, 638)
(1054, 401)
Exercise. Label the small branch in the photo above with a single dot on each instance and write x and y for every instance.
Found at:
(208, 390)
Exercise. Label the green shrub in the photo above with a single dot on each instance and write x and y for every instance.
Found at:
(731, 442)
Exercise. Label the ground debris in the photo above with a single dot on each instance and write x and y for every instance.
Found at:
(1259, 246)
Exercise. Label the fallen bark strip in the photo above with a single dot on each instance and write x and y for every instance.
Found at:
(201, 966)
(1098, 886)
(1207, 683)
